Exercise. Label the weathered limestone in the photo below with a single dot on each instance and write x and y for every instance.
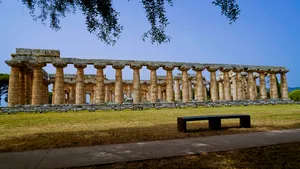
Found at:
(251, 85)
(221, 90)
(37, 89)
(262, 85)
(185, 83)
(159, 92)
(177, 90)
(213, 84)
(169, 83)
(80, 91)
(107, 93)
(273, 85)
(22, 86)
(136, 83)
(119, 95)
(239, 86)
(99, 89)
(59, 97)
(153, 82)
(284, 86)
(27, 87)
(13, 88)
(226, 82)
(199, 88)
(190, 89)
(46, 87)
(72, 94)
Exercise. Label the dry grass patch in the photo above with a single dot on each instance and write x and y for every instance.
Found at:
(20, 132)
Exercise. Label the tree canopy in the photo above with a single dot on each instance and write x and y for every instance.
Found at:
(101, 17)
(4, 79)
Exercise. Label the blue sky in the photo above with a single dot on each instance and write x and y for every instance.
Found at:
(266, 33)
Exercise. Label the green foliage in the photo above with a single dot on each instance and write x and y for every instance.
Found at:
(102, 18)
(295, 95)
(4, 79)
(50, 95)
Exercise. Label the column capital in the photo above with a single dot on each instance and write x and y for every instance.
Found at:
(284, 71)
(184, 68)
(37, 64)
(59, 63)
(250, 70)
(99, 65)
(118, 66)
(14, 63)
(212, 69)
(274, 71)
(168, 67)
(238, 69)
(153, 66)
(136, 66)
(80, 65)
(262, 71)
(198, 68)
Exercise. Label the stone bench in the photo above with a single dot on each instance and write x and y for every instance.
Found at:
(214, 121)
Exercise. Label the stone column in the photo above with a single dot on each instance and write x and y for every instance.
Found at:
(53, 93)
(190, 89)
(233, 88)
(27, 86)
(213, 84)
(221, 90)
(255, 88)
(199, 95)
(22, 86)
(205, 92)
(13, 86)
(284, 86)
(72, 93)
(159, 92)
(107, 93)
(99, 89)
(262, 84)
(91, 97)
(273, 85)
(177, 89)
(80, 87)
(239, 86)
(46, 84)
(169, 83)
(119, 95)
(153, 83)
(226, 84)
(136, 83)
(185, 83)
(59, 82)
(251, 85)
(37, 84)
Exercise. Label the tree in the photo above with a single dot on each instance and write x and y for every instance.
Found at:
(102, 18)
(295, 95)
(4, 79)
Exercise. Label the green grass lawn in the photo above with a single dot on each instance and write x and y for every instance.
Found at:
(20, 132)
(275, 157)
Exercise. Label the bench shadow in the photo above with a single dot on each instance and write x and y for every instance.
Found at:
(48, 140)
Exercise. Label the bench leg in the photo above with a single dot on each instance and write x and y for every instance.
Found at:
(181, 125)
(214, 124)
(245, 122)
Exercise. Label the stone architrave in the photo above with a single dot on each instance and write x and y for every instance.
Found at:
(177, 89)
(273, 85)
(169, 83)
(284, 86)
(262, 84)
(119, 94)
(153, 82)
(37, 84)
(80, 87)
(239, 86)
(251, 85)
(13, 86)
(213, 84)
(99, 93)
(226, 83)
(22, 86)
(185, 83)
(136, 83)
(221, 90)
(199, 87)
(59, 97)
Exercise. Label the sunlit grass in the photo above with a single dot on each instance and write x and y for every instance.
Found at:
(24, 131)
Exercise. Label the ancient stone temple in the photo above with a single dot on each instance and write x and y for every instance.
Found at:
(29, 82)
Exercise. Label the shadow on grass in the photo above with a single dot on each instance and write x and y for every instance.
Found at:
(122, 135)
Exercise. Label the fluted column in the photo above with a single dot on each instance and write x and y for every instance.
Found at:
(53, 93)
(239, 86)
(153, 83)
(136, 98)
(119, 95)
(226, 84)
(80, 87)
(107, 93)
(185, 83)
(37, 84)
(72, 94)
(13, 86)
(190, 89)
(92, 97)
(199, 88)
(27, 86)
(22, 86)
(221, 90)
(213, 84)
(59, 82)
(205, 92)
(177, 89)
(273, 85)
(159, 92)
(251, 87)
(169, 83)
(99, 89)
(284, 86)
(262, 84)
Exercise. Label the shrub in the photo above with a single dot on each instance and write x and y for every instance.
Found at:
(295, 95)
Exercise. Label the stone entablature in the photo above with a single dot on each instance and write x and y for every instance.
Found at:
(29, 82)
